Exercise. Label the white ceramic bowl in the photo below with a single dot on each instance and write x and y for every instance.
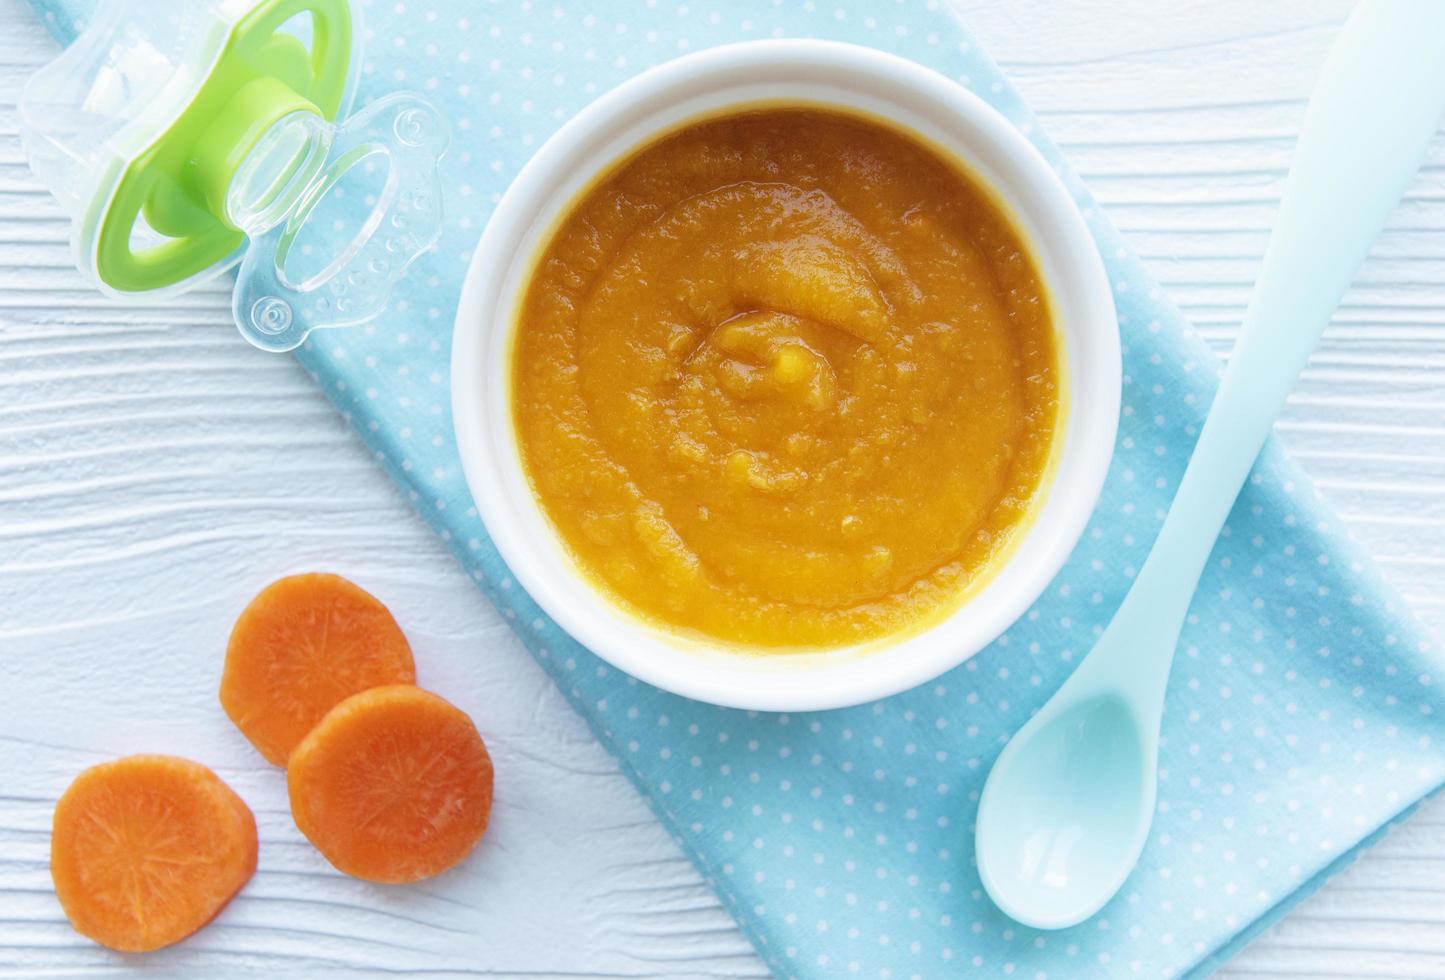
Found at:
(714, 82)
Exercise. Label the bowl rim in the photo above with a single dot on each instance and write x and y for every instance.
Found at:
(717, 672)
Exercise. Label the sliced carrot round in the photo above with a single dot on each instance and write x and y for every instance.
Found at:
(393, 785)
(147, 849)
(302, 646)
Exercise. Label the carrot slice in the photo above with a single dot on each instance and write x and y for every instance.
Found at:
(147, 849)
(302, 646)
(393, 785)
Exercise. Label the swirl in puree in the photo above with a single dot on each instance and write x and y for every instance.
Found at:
(786, 379)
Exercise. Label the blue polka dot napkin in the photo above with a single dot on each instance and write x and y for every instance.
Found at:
(1302, 713)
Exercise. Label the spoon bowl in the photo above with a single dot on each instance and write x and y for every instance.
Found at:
(1068, 813)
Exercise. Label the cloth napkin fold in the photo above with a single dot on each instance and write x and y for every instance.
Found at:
(1301, 712)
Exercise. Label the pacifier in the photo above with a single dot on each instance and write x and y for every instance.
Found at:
(185, 138)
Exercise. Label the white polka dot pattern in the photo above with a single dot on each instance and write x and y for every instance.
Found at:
(1301, 712)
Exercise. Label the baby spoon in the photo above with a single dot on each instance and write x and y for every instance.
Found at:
(1068, 805)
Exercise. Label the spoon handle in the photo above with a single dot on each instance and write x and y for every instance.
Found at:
(1368, 125)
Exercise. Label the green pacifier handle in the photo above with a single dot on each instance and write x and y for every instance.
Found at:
(179, 183)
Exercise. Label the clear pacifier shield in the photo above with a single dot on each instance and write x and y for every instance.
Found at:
(387, 222)
(180, 136)
(151, 106)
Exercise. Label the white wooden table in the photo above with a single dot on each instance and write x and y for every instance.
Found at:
(155, 471)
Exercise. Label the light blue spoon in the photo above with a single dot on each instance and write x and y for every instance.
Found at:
(1067, 808)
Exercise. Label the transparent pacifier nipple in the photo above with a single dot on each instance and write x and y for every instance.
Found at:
(375, 178)
(278, 170)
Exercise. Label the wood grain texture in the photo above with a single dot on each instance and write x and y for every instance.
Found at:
(155, 472)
